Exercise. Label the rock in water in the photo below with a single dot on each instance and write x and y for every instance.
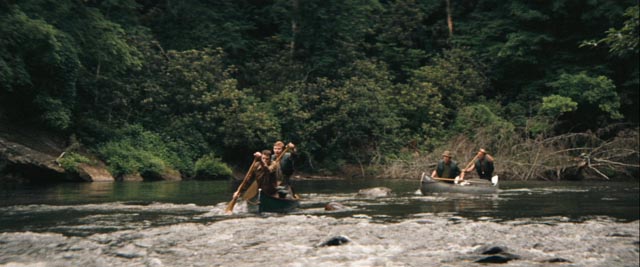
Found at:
(557, 260)
(333, 206)
(375, 192)
(335, 241)
(499, 254)
(494, 259)
(494, 250)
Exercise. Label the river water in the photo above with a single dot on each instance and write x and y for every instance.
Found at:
(183, 224)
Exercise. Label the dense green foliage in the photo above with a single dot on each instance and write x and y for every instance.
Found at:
(138, 151)
(209, 167)
(187, 85)
(71, 160)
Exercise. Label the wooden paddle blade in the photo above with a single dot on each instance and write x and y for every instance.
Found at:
(232, 203)
(251, 192)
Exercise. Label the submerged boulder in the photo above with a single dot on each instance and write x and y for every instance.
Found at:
(375, 192)
(557, 260)
(335, 241)
(494, 250)
(498, 254)
(334, 206)
(495, 259)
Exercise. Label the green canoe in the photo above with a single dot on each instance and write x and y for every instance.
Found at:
(273, 204)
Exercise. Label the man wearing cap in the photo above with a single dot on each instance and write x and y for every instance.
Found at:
(447, 168)
(483, 165)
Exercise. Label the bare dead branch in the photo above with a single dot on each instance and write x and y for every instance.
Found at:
(519, 157)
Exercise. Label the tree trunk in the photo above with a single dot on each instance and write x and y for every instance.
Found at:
(449, 18)
(295, 4)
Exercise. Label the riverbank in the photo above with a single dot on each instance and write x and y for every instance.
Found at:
(30, 154)
(300, 240)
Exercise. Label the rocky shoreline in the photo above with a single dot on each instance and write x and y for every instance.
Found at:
(38, 160)
(20, 162)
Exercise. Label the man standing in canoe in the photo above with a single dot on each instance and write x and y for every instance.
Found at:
(447, 168)
(286, 167)
(483, 165)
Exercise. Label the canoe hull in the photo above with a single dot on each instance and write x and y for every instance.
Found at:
(428, 186)
(272, 204)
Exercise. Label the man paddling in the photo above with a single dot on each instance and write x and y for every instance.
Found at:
(447, 168)
(286, 168)
(483, 165)
(264, 173)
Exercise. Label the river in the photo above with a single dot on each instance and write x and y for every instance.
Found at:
(593, 223)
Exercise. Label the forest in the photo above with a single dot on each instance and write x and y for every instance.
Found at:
(363, 87)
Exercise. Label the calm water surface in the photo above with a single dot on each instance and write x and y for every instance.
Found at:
(80, 209)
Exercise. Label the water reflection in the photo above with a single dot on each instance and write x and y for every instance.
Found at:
(459, 203)
(96, 190)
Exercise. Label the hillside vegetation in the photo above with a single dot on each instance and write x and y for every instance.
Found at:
(379, 86)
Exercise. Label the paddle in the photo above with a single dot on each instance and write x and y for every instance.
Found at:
(252, 191)
(282, 154)
(233, 201)
(470, 162)
(494, 180)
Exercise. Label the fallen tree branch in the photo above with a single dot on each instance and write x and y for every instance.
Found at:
(616, 163)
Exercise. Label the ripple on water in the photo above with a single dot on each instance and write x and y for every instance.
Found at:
(111, 206)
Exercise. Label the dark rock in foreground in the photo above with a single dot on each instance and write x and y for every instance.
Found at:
(335, 241)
